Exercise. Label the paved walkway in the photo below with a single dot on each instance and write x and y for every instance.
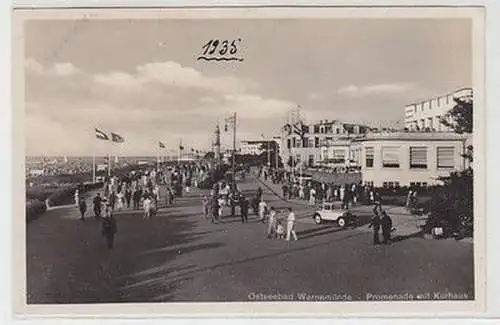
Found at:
(406, 224)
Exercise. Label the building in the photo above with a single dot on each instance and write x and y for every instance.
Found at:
(427, 114)
(408, 158)
(322, 142)
(254, 147)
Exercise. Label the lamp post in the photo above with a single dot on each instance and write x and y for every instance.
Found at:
(268, 150)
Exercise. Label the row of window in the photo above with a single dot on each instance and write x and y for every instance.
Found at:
(312, 142)
(418, 157)
(429, 104)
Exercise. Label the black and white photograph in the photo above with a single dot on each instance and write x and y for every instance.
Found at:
(295, 157)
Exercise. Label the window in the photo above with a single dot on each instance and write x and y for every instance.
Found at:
(337, 130)
(298, 158)
(390, 157)
(445, 157)
(311, 142)
(369, 183)
(311, 160)
(369, 157)
(288, 143)
(316, 129)
(338, 156)
(418, 157)
(316, 142)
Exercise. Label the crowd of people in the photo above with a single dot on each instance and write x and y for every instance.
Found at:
(140, 189)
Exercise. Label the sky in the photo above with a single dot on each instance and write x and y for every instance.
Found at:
(141, 78)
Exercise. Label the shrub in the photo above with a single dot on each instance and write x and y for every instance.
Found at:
(34, 208)
(453, 207)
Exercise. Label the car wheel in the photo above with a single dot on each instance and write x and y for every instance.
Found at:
(317, 219)
(341, 222)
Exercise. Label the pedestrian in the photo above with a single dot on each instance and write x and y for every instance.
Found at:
(146, 204)
(205, 206)
(259, 194)
(137, 198)
(262, 210)
(271, 222)
(375, 222)
(290, 225)
(215, 209)
(386, 224)
(284, 189)
(128, 196)
(312, 196)
(97, 206)
(109, 228)
(329, 194)
(77, 197)
(244, 209)
(83, 208)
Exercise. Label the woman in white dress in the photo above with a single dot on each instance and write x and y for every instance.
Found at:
(147, 203)
(77, 197)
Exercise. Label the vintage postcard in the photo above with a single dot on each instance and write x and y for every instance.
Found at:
(249, 161)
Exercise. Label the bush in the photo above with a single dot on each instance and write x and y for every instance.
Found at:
(34, 208)
(453, 207)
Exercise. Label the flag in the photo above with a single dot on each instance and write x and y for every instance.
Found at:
(101, 135)
(161, 144)
(117, 138)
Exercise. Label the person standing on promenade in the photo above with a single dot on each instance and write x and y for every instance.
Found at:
(82, 205)
(77, 197)
(109, 228)
(244, 209)
(312, 196)
(290, 226)
(271, 222)
(205, 207)
(375, 222)
(215, 209)
(97, 206)
(128, 196)
(262, 210)
(386, 224)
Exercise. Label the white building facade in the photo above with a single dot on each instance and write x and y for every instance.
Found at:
(426, 115)
(409, 159)
(325, 142)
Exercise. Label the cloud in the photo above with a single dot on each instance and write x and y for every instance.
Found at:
(155, 101)
(314, 96)
(378, 89)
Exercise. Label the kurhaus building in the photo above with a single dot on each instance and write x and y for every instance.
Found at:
(408, 158)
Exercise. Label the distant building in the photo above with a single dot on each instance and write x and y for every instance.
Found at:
(36, 172)
(406, 159)
(427, 114)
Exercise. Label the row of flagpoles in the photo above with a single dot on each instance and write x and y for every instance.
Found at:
(116, 138)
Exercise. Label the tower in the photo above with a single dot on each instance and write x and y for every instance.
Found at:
(217, 143)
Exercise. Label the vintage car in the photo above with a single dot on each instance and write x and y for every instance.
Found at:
(328, 213)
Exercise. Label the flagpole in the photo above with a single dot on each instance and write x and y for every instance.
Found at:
(93, 167)
(158, 157)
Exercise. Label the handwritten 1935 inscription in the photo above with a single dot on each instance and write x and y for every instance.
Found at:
(221, 50)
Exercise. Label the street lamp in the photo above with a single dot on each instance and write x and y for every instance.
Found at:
(268, 150)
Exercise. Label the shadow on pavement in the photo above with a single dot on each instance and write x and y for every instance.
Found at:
(318, 232)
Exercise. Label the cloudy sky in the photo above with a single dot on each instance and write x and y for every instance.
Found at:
(141, 79)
